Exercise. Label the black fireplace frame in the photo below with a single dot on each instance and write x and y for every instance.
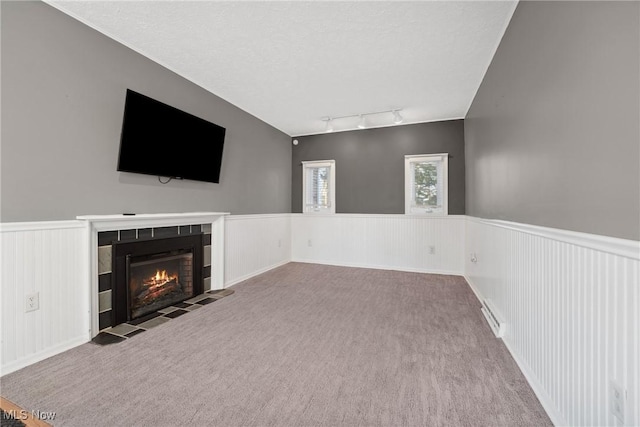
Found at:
(122, 250)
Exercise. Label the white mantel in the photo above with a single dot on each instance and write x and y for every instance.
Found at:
(123, 222)
(98, 223)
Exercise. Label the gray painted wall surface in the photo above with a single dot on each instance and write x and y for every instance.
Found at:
(63, 92)
(370, 164)
(553, 134)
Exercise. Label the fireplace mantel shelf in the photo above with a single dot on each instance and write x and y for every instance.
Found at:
(97, 223)
(121, 222)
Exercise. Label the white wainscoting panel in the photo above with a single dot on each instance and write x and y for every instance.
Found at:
(255, 244)
(392, 242)
(48, 258)
(571, 302)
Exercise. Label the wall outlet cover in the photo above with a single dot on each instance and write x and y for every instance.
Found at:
(617, 401)
(32, 302)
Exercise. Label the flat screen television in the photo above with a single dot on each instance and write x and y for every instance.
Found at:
(161, 140)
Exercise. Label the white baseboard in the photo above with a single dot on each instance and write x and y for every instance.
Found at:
(49, 352)
(474, 289)
(379, 267)
(254, 273)
(545, 400)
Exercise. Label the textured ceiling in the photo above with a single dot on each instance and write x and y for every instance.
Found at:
(290, 63)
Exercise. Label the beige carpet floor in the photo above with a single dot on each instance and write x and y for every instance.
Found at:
(301, 345)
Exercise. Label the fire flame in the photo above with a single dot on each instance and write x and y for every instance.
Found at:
(161, 278)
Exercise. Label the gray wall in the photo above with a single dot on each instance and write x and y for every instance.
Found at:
(553, 135)
(63, 91)
(370, 164)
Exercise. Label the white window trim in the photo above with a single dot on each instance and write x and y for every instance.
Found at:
(408, 159)
(332, 186)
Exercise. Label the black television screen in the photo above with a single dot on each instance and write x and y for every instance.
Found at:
(161, 140)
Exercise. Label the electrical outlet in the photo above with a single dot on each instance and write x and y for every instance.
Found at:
(32, 302)
(617, 401)
(279, 243)
(432, 250)
(474, 257)
(309, 243)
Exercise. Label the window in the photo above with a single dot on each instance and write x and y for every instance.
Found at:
(319, 186)
(425, 181)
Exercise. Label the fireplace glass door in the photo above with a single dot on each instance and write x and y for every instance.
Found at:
(158, 281)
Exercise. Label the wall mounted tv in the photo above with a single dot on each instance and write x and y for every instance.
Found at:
(161, 140)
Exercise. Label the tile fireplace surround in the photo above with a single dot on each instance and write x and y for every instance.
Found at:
(99, 226)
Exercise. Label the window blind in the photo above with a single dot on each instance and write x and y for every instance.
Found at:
(318, 187)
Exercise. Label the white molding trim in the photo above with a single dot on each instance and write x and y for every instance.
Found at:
(123, 222)
(49, 352)
(7, 227)
(255, 273)
(378, 267)
(217, 252)
(612, 245)
(545, 400)
(256, 216)
(390, 216)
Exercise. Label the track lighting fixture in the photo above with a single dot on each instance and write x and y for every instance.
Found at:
(362, 122)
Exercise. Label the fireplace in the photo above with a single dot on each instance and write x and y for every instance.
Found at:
(107, 231)
(157, 281)
(153, 274)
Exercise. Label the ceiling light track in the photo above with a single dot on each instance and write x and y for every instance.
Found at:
(362, 123)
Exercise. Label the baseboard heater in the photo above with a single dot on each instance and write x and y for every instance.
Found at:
(493, 318)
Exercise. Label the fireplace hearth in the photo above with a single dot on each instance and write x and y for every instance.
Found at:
(153, 274)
